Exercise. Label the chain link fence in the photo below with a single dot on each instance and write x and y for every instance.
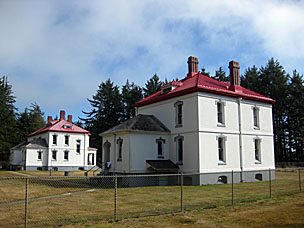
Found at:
(42, 201)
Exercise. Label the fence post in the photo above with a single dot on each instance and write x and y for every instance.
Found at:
(115, 198)
(26, 201)
(300, 179)
(181, 184)
(269, 182)
(232, 196)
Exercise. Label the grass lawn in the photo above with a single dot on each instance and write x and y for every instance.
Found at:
(79, 203)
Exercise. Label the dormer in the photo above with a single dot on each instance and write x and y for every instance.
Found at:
(170, 86)
(68, 126)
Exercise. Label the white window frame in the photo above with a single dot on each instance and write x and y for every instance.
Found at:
(257, 148)
(256, 117)
(54, 152)
(55, 136)
(179, 139)
(78, 144)
(93, 158)
(66, 137)
(119, 149)
(223, 139)
(178, 113)
(221, 111)
(162, 142)
(64, 153)
(39, 154)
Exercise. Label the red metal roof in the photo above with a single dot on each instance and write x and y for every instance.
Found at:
(202, 83)
(60, 126)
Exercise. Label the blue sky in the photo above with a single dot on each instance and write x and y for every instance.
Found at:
(56, 53)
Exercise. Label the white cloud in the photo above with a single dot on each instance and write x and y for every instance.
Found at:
(57, 52)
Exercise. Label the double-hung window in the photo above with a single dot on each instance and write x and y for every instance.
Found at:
(179, 149)
(78, 145)
(257, 150)
(221, 147)
(220, 108)
(54, 155)
(160, 147)
(39, 154)
(119, 142)
(178, 114)
(66, 139)
(54, 139)
(66, 155)
(256, 121)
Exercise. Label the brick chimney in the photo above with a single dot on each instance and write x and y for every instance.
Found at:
(49, 119)
(234, 68)
(192, 66)
(70, 118)
(62, 115)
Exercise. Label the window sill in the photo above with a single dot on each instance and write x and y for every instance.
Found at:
(119, 159)
(39, 159)
(53, 160)
(179, 163)
(65, 160)
(160, 157)
(257, 162)
(178, 125)
(221, 163)
(256, 128)
(77, 153)
(221, 125)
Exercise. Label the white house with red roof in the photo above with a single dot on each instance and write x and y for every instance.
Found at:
(60, 145)
(200, 125)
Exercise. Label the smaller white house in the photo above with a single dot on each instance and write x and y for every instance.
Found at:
(60, 145)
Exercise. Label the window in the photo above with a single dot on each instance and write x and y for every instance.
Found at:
(179, 149)
(78, 144)
(220, 113)
(66, 155)
(178, 114)
(160, 147)
(66, 139)
(221, 150)
(54, 139)
(119, 142)
(256, 123)
(257, 150)
(54, 155)
(39, 155)
(90, 159)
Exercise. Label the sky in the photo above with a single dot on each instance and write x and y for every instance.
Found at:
(57, 52)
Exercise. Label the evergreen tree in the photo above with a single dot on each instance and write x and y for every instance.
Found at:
(106, 112)
(221, 75)
(295, 117)
(203, 71)
(153, 85)
(251, 80)
(273, 83)
(131, 93)
(29, 121)
(7, 119)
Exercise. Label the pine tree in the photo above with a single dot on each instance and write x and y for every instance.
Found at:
(131, 93)
(7, 119)
(204, 72)
(153, 85)
(295, 116)
(251, 80)
(106, 112)
(274, 84)
(221, 75)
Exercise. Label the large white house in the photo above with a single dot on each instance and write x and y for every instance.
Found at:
(60, 145)
(200, 125)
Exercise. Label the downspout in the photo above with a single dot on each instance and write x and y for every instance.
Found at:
(114, 163)
(240, 139)
(84, 151)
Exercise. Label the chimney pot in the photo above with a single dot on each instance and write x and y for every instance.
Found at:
(70, 118)
(192, 66)
(62, 115)
(49, 119)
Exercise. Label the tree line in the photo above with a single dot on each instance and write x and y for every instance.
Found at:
(111, 105)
